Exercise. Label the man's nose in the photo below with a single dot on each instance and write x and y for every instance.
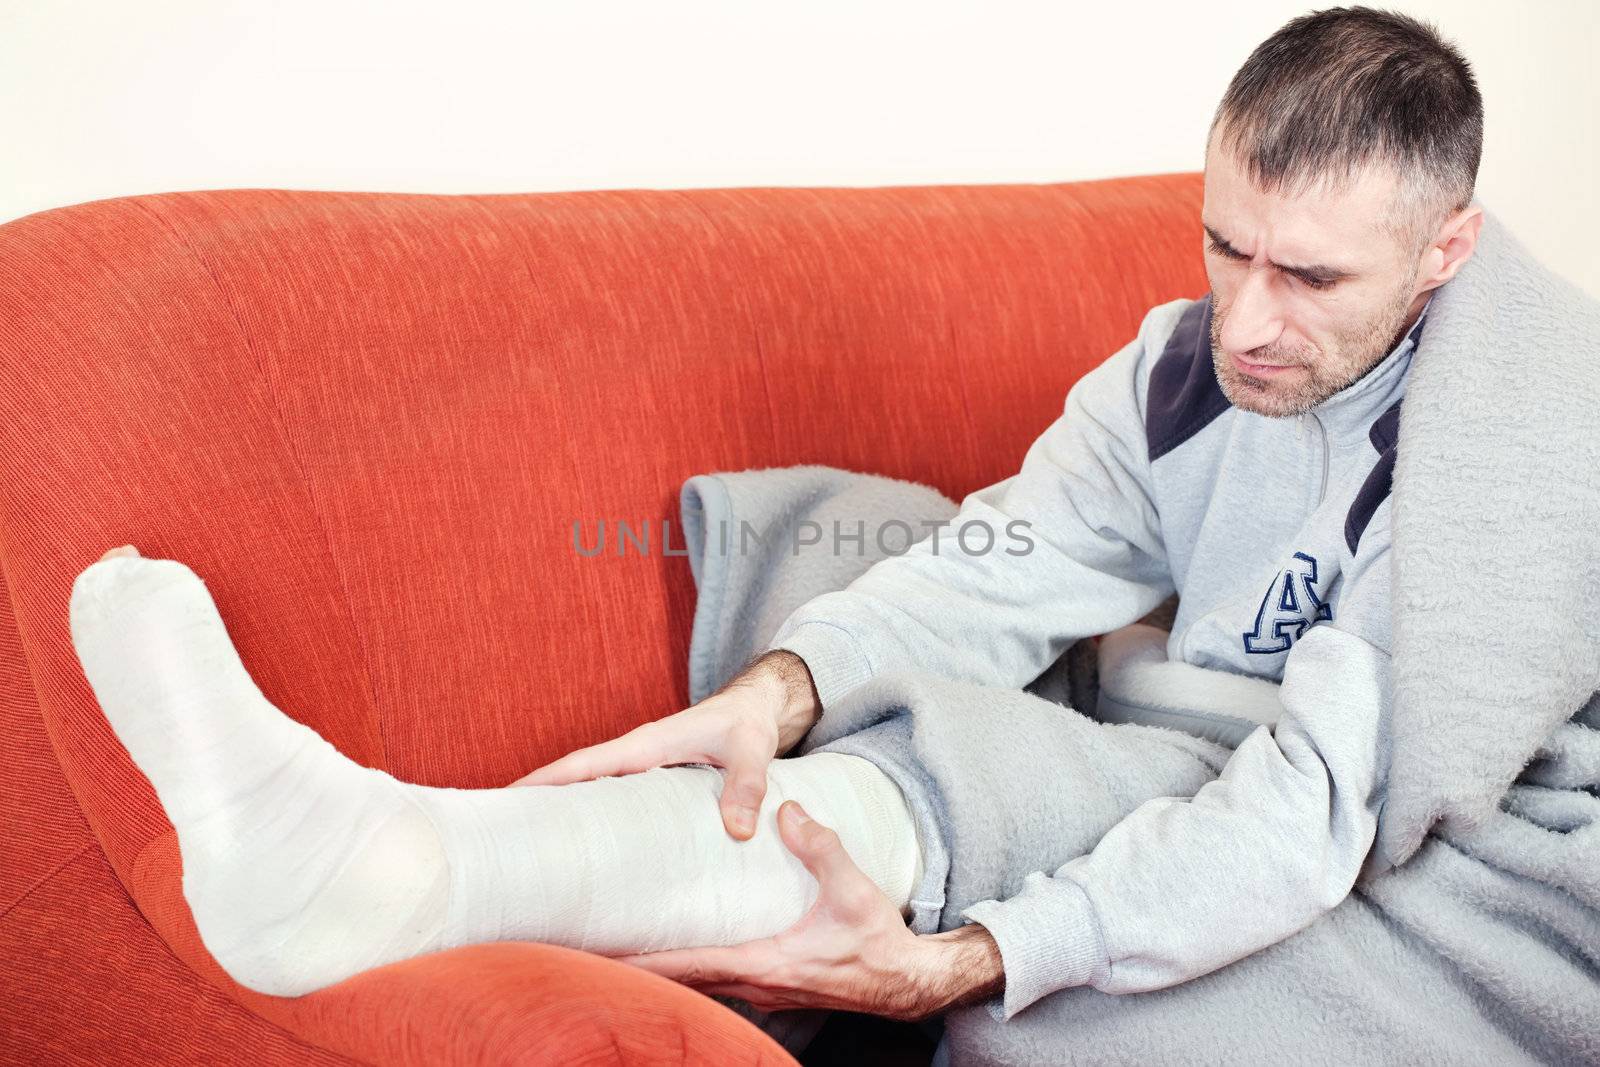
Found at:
(1254, 320)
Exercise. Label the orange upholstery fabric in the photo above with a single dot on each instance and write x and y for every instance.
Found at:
(369, 422)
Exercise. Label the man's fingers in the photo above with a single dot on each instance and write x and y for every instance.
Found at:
(743, 789)
(632, 752)
(816, 846)
(757, 996)
(576, 766)
(702, 966)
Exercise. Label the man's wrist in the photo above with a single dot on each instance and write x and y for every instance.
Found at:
(796, 703)
(964, 966)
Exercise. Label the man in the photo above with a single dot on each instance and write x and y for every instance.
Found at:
(1238, 451)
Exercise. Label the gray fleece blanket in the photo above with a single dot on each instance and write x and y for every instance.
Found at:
(1474, 934)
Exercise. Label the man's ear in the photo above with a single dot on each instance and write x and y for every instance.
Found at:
(1457, 241)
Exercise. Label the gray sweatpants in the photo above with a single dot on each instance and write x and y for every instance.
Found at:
(1004, 783)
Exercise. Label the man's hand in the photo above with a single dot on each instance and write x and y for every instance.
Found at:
(851, 951)
(762, 711)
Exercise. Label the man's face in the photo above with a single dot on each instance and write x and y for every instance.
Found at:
(1322, 338)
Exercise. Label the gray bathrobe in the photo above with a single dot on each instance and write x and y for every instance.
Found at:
(1473, 935)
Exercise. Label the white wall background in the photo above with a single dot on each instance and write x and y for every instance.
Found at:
(108, 98)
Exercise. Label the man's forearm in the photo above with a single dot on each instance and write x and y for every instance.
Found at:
(786, 679)
(964, 967)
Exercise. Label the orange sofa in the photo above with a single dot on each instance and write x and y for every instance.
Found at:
(369, 421)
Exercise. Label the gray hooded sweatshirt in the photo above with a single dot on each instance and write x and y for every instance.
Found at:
(1274, 533)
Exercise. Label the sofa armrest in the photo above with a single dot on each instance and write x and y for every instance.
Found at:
(500, 1003)
(519, 1003)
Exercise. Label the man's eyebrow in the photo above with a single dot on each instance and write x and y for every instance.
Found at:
(1317, 272)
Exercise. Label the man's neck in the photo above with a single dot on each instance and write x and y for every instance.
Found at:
(1417, 307)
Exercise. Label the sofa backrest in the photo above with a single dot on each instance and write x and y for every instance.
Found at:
(370, 421)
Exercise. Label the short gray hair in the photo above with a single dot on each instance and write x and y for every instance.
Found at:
(1340, 89)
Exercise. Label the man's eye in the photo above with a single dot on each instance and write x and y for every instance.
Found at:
(1315, 284)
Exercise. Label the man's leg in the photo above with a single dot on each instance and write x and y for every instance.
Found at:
(302, 867)
(1003, 783)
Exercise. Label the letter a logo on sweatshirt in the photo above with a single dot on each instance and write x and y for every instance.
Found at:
(1290, 606)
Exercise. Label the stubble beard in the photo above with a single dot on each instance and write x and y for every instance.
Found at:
(1317, 375)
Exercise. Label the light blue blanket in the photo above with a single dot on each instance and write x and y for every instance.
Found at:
(1475, 937)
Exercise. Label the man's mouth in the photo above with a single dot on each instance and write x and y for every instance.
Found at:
(1265, 370)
